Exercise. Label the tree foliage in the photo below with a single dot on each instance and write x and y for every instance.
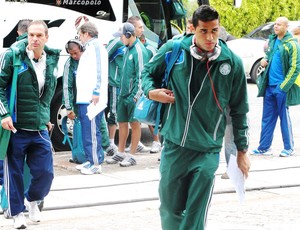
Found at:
(252, 13)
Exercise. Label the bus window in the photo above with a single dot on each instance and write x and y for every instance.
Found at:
(151, 12)
(95, 8)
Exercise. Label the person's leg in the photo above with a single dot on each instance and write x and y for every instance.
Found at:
(112, 119)
(156, 145)
(104, 133)
(135, 135)
(173, 186)
(185, 192)
(13, 172)
(40, 162)
(201, 184)
(285, 122)
(123, 132)
(269, 119)
(123, 135)
(91, 136)
(1, 172)
(112, 128)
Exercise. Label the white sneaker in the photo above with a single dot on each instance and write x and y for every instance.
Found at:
(83, 165)
(139, 149)
(19, 221)
(111, 150)
(116, 158)
(156, 147)
(33, 210)
(93, 169)
(128, 161)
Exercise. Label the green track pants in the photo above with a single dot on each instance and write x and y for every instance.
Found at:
(186, 187)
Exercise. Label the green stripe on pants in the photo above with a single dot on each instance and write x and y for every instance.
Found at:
(186, 186)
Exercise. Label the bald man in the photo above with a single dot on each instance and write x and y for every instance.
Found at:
(280, 88)
(296, 33)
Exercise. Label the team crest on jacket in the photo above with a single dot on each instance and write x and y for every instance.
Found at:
(130, 57)
(225, 69)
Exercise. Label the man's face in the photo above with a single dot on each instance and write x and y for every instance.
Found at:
(124, 40)
(83, 37)
(280, 27)
(37, 37)
(139, 28)
(75, 53)
(207, 34)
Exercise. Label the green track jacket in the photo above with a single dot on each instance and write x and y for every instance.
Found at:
(197, 119)
(290, 58)
(134, 60)
(32, 111)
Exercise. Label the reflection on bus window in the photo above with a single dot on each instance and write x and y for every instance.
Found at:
(153, 17)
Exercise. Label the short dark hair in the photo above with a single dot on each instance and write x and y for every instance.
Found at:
(23, 25)
(204, 13)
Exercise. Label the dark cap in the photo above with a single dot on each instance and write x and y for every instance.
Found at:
(125, 28)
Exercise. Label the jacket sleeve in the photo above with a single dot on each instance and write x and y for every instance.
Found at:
(292, 67)
(141, 59)
(6, 72)
(154, 70)
(239, 106)
(113, 46)
(67, 96)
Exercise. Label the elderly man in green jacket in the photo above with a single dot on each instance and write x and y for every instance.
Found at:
(30, 122)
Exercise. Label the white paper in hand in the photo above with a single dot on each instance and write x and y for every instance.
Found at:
(94, 110)
(237, 178)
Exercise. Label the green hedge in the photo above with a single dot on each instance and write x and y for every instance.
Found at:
(252, 13)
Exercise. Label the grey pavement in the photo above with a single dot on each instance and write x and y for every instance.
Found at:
(127, 198)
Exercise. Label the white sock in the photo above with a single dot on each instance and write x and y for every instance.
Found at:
(112, 141)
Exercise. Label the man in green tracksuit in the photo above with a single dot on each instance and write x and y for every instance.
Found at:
(130, 91)
(116, 50)
(206, 78)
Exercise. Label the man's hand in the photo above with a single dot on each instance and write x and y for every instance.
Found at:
(243, 162)
(49, 126)
(95, 99)
(7, 124)
(162, 95)
(71, 115)
(264, 62)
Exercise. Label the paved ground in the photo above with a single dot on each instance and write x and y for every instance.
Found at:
(126, 198)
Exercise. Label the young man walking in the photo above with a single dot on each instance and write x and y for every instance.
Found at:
(206, 78)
